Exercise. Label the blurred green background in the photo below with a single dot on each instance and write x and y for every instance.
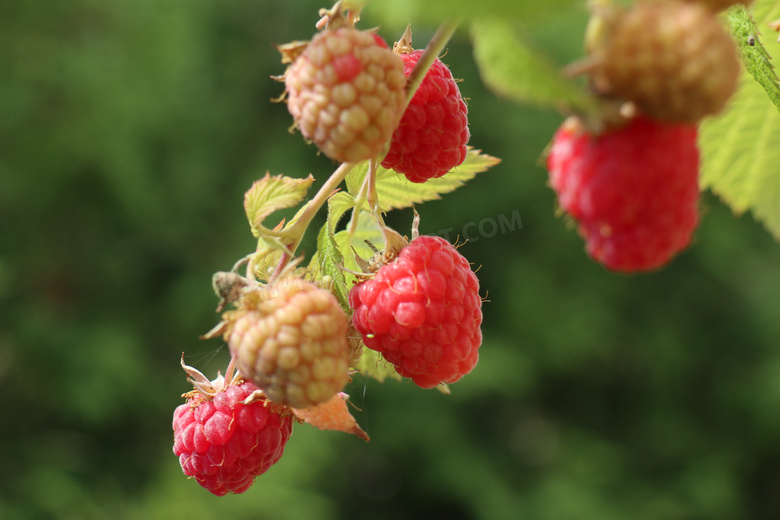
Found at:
(129, 132)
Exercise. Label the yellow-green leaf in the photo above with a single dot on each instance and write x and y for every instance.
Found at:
(394, 191)
(338, 204)
(740, 156)
(272, 193)
(329, 262)
(399, 12)
(335, 255)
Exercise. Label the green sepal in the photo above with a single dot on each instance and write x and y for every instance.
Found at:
(372, 364)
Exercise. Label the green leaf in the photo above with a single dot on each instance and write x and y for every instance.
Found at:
(269, 248)
(338, 204)
(740, 156)
(272, 193)
(329, 261)
(354, 178)
(510, 67)
(339, 250)
(753, 53)
(394, 191)
(329, 258)
(372, 364)
(399, 12)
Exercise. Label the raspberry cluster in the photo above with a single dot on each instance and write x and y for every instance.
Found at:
(626, 173)
(293, 343)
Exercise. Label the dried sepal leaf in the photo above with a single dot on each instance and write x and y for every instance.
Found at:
(332, 415)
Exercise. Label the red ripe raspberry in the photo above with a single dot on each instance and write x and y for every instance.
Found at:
(225, 444)
(346, 93)
(423, 312)
(431, 138)
(633, 190)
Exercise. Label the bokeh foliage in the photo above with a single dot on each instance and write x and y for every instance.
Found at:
(129, 132)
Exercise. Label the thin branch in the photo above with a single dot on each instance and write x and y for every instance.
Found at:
(371, 195)
(297, 230)
(432, 51)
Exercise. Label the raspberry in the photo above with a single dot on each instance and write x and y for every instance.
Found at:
(222, 442)
(292, 343)
(675, 61)
(423, 312)
(431, 138)
(633, 190)
(346, 93)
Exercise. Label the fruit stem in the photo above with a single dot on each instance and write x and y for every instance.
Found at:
(371, 196)
(432, 51)
(360, 198)
(367, 194)
(283, 261)
(297, 230)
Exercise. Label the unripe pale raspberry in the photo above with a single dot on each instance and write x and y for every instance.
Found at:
(225, 444)
(423, 312)
(675, 61)
(293, 343)
(431, 138)
(633, 190)
(346, 93)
